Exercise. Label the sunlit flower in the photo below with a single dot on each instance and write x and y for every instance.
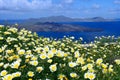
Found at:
(80, 60)
(6, 65)
(15, 64)
(49, 61)
(39, 69)
(53, 67)
(30, 74)
(33, 58)
(30, 79)
(90, 66)
(16, 74)
(86, 75)
(1, 64)
(117, 61)
(84, 68)
(7, 33)
(99, 61)
(77, 54)
(105, 70)
(59, 53)
(46, 48)
(110, 69)
(73, 75)
(14, 30)
(72, 64)
(9, 51)
(50, 54)
(1, 38)
(34, 63)
(54, 51)
(61, 76)
(90, 76)
(43, 56)
(21, 52)
(3, 73)
(8, 77)
(104, 65)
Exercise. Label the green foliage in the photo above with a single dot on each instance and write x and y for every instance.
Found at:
(26, 56)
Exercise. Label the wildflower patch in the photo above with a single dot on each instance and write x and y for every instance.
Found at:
(26, 56)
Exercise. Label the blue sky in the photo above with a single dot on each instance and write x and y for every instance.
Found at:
(23, 9)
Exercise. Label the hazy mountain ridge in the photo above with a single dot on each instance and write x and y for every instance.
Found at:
(52, 24)
(67, 19)
(57, 27)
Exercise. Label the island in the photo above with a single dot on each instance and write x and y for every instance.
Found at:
(58, 27)
(58, 24)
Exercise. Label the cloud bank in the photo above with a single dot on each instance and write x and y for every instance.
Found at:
(24, 4)
(70, 8)
(117, 1)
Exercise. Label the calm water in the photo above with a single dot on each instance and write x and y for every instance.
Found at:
(5, 22)
(110, 28)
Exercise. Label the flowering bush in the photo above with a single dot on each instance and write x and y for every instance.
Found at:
(25, 56)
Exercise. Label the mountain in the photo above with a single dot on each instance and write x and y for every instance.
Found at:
(66, 19)
(57, 27)
(49, 19)
(52, 24)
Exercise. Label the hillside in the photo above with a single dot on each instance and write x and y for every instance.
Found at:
(57, 27)
(26, 56)
(66, 19)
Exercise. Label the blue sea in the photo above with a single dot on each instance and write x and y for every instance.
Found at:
(3, 22)
(109, 29)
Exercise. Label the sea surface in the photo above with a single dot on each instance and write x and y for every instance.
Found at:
(109, 29)
(5, 22)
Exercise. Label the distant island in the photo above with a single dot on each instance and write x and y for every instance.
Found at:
(53, 23)
(58, 27)
(67, 19)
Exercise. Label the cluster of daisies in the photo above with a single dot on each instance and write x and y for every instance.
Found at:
(26, 56)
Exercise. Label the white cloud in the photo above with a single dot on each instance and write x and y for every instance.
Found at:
(117, 10)
(86, 11)
(24, 4)
(96, 6)
(68, 1)
(33, 5)
(117, 1)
